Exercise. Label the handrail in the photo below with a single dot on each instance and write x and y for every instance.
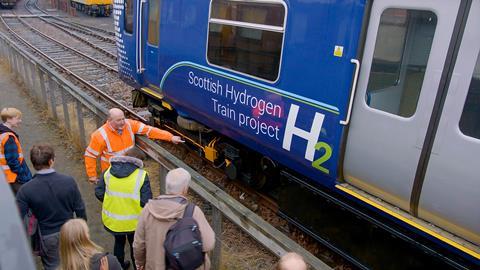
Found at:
(139, 54)
(352, 93)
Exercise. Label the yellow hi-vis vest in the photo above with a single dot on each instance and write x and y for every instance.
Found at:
(121, 203)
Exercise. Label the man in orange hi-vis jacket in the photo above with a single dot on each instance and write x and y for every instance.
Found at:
(115, 138)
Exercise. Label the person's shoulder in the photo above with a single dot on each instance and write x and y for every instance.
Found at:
(133, 123)
(113, 262)
(29, 185)
(111, 257)
(198, 212)
(97, 134)
(63, 177)
(23, 191)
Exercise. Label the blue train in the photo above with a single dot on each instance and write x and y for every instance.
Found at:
(375, 103)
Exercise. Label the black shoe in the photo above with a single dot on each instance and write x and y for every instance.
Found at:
(126, 265)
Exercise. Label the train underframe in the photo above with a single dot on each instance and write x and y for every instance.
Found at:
(333, 213)
(93, 10)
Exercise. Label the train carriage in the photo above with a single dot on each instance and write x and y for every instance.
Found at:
(376, 102)
(93, 7)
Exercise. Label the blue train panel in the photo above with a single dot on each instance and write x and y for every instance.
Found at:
(276, 76)
(293, 117)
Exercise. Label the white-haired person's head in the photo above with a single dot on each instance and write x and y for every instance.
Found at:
(177, 181)
(291, 261)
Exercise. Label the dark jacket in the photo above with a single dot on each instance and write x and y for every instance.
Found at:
(113, 263)
(122, 167)
(53, 198)
(11, 155)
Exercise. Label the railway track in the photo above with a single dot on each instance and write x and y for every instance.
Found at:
(98, 42)
(96, 38)
(32, 7)
(87, 66)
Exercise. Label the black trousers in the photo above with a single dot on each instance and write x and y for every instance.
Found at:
(119, 247)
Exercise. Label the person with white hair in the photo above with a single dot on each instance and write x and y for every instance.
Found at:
(159, 215)
(291, 261)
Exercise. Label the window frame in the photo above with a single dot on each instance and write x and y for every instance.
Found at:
(125, 18)
(402, 57)
(365, 100)
(465, 103)
(262, 27)
(148, 24)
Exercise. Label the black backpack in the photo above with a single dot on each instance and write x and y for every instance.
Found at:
(183, 243)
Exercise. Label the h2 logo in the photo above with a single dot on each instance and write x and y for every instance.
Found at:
(310, 136)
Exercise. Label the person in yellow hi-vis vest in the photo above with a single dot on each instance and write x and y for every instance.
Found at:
(124, 189)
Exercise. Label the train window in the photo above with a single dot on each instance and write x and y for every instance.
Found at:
(247, 37)
(153, 22)
(128, 19)
(402, 48)
(470, 120)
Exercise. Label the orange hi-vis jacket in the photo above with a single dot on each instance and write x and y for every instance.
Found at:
(11, 176)
(106, 143)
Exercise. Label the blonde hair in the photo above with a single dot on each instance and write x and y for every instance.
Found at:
(76, 248)
(8, 113)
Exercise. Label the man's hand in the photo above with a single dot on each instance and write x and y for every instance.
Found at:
(177, 139)
(93, 180)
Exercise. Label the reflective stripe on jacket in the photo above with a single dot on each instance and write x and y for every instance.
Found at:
(106, 143)
(11, 176)
(121, 204)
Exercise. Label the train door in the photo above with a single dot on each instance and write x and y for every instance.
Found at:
(405, 52)
(126, 36)
(451, 185)
(150, 42)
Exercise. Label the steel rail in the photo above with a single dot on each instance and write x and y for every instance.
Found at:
(27, 3)
(86, 28)
(35, 4)
(70, 26)
(89, 32)
(68, 47)
(91, 44)
(69, 72)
